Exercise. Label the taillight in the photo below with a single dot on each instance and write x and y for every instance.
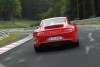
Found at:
(35, 39)
(39, 33)
(69, 29)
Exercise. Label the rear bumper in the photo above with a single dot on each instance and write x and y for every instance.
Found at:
(67, 39)
(56, 43)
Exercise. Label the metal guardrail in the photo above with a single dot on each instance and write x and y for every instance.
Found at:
(87, 21)
(20, 29)
(3, 34)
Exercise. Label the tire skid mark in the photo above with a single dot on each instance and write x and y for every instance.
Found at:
(22, 60)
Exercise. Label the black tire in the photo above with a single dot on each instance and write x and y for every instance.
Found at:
(37, 49)
(76, 44)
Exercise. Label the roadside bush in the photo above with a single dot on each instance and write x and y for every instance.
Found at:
(31, 25)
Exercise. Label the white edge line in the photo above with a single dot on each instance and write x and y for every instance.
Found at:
(13, 45)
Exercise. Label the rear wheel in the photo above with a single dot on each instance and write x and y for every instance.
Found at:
(76, 43)
(37, 49)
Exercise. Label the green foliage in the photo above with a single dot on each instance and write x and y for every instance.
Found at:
(70, 10)
(61, 8)
(53, 11)
(40, 9)
(12, 26)
(9, 9)
(17, 8)
(33, 8)
(34, 24)
(19, 23)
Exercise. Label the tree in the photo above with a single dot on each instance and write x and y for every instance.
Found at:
(69, 9)
(1, 9)
(10, 9)
(63, 7)
(53, 11)
(74, 9)
(33, 8)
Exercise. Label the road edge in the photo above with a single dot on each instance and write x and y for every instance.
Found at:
(15, 44)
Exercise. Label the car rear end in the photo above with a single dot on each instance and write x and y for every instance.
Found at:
(56, 35)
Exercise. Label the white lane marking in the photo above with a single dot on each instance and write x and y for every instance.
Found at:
(13, 45)
(39, 58)
(9, 46)
(88, 48)
(21, 60)
(97, 28)
(90, 37)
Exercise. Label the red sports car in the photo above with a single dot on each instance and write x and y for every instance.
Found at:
(55, 31)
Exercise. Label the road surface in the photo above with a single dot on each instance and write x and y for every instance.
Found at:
(87, 55)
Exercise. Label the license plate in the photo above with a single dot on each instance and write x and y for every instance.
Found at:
(55, 38)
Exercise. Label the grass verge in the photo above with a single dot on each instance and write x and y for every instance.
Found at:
(19, 23)
(12, 26)
(10, 38)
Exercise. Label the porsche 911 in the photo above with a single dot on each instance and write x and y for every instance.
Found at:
(55, 31)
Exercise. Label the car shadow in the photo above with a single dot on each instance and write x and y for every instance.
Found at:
(57, 48)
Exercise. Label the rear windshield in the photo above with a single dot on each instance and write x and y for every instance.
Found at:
(54, 21)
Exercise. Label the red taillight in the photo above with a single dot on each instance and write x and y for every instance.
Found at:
(35, 39)
(40, 33)
(70, 29)
(35, 33)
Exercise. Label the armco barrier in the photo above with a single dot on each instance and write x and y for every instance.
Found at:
(87, 21)
(3, 34)
(21, 29)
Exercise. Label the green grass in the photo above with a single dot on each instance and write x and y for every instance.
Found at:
(19, 23)
(10, 38)
(13, 26)
(29, 23)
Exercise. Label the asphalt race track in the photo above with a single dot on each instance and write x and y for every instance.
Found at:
(86, 55)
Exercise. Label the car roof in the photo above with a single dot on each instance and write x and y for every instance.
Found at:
(52, 18)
